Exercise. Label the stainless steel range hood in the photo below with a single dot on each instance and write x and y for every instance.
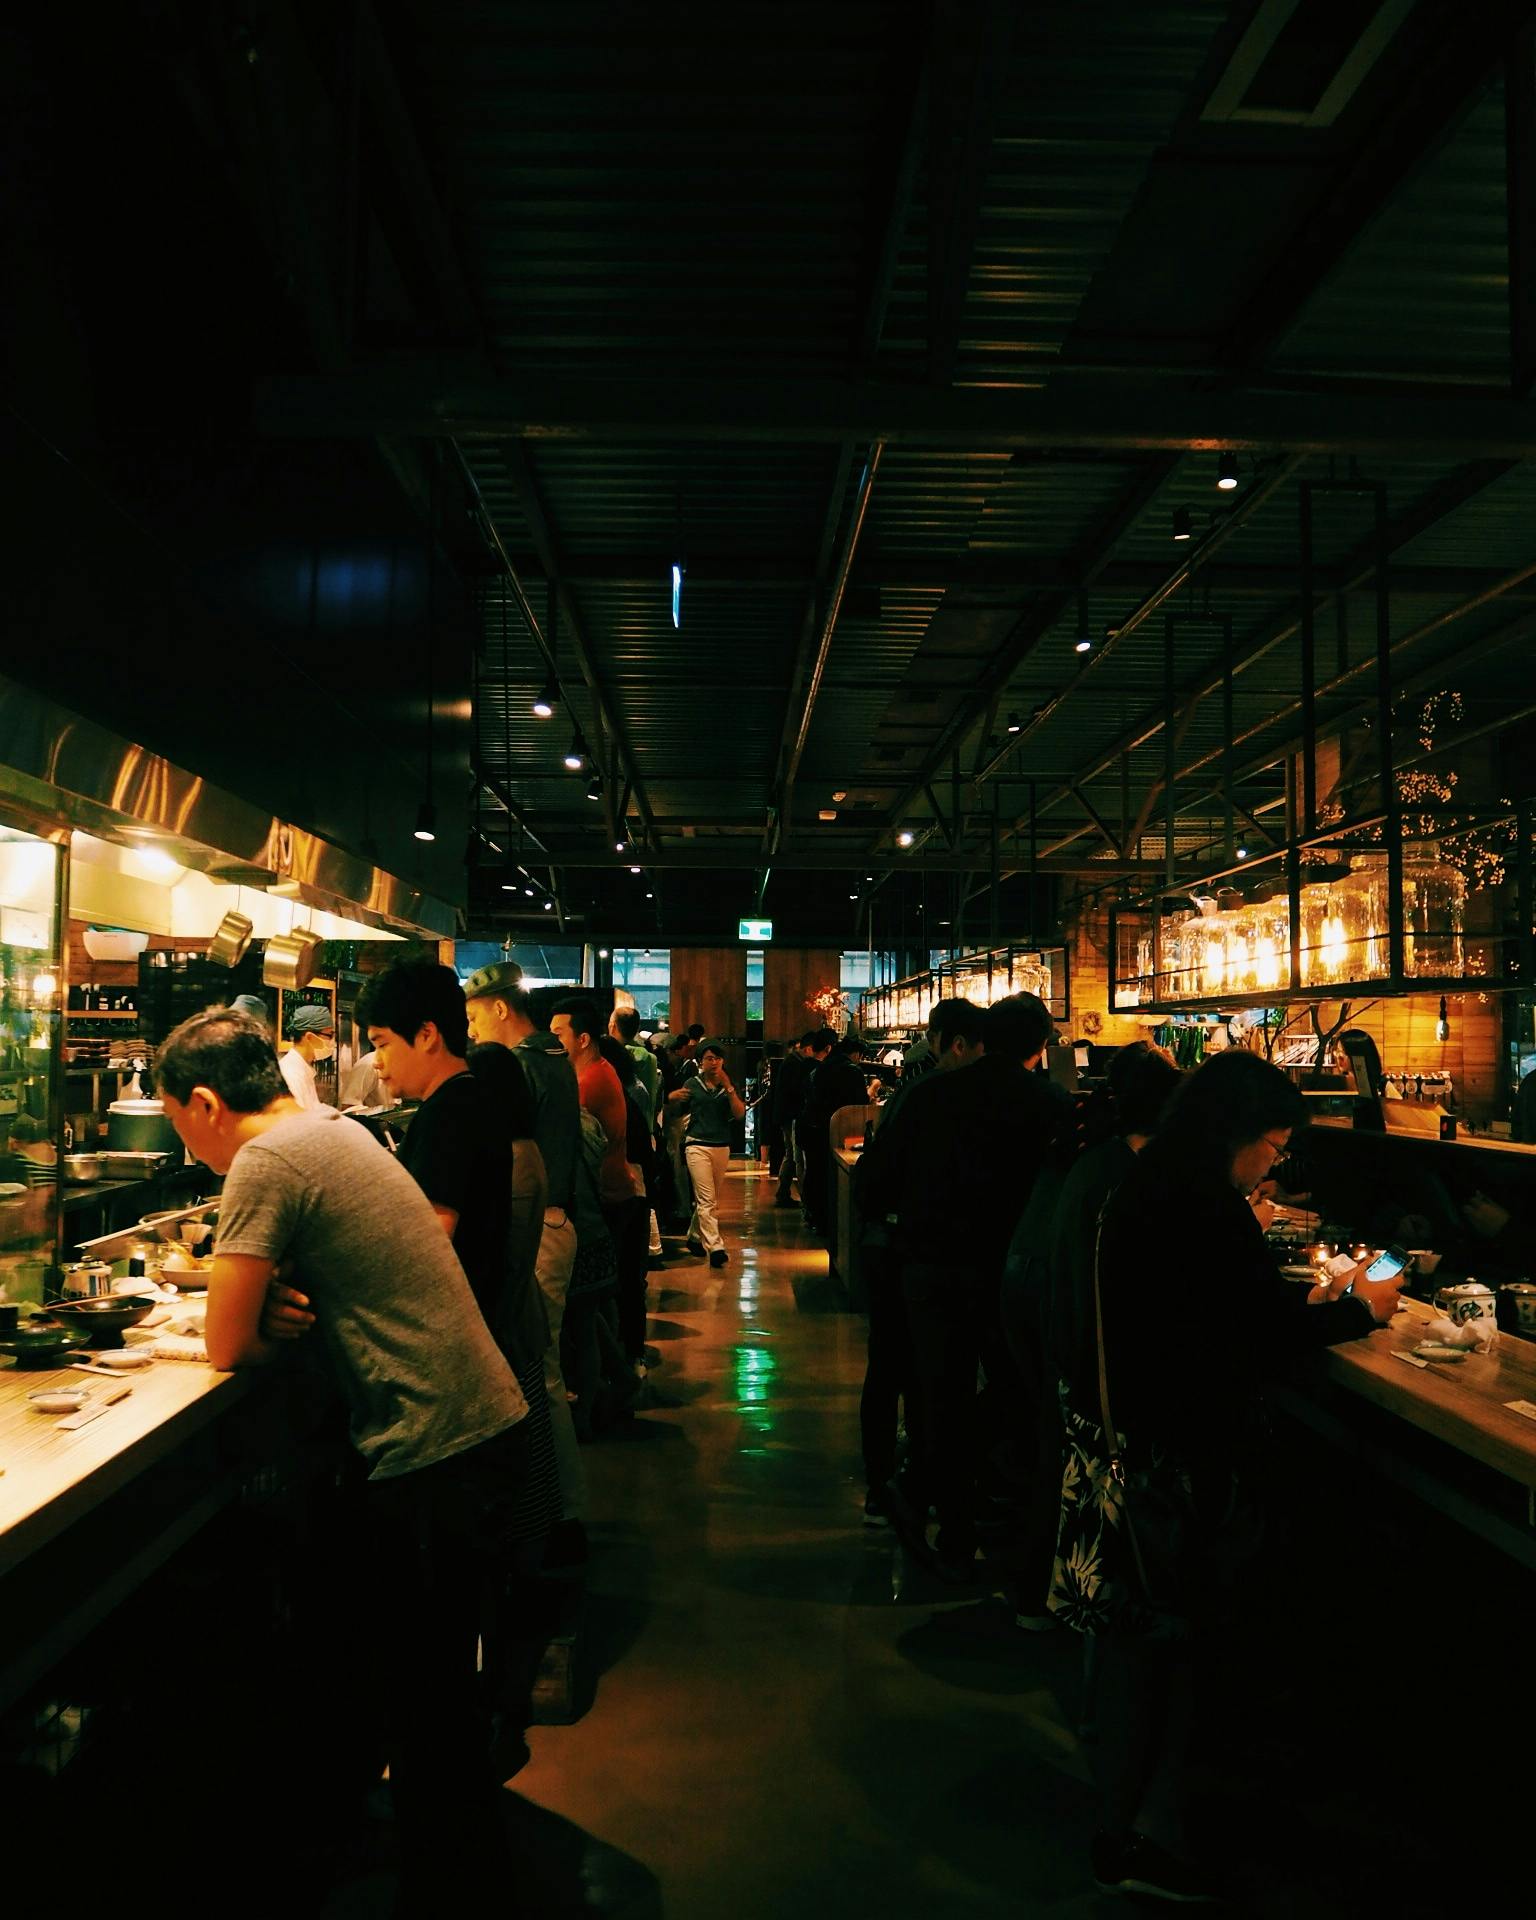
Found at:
(58, 766)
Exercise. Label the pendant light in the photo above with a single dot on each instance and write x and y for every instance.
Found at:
(576, 754)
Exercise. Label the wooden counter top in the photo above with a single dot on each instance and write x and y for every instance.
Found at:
(51, 1477)
(1462, 1402)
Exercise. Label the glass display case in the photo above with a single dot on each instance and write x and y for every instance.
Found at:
(31, 1059)
(981, 978)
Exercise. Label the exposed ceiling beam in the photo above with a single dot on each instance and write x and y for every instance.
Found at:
(1116, 415)
(1454, 491)
(531, 505)
(978, 572)
(1085, 563)
(744, 855)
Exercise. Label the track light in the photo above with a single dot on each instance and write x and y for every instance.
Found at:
(1241, 851)
(544, 701)
(1183, 524)
(905, 837)
(576, 754)
(1226, 472)
(1083, 643)
(620, 845)
(549, 906)
(594, 788)
(1015, 724)
(426, 821)
(528, 891)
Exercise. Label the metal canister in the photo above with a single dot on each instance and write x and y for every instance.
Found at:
(85, 1279)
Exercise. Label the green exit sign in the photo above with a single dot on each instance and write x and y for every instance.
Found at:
(754, 929)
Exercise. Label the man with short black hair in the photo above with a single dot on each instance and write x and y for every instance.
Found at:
(963, 1153)
(436, 1412)
(498, 1010)
(837, 1082)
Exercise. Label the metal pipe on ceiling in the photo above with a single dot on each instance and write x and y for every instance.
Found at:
(824, 645)
(1214, 541)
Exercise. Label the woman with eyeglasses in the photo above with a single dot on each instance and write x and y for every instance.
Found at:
(1195, 1315)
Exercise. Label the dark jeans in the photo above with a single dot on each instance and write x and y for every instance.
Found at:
(630, 1226)
(816, 1178)
(442, 1567)
(889, 1375)
(1038, 1433)
(952, 1321)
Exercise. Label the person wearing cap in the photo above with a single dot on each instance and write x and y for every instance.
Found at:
(312, 1033)
(255, 1006)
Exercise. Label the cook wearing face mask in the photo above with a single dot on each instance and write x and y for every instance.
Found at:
(313, 1035)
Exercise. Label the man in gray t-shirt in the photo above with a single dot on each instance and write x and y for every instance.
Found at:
(436, 1413)
(422, 1375)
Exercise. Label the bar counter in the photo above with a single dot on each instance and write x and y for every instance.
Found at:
(86, 1516)
(1462, 1402)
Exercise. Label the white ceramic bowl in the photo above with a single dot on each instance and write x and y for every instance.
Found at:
(124, 1359)
(59, 1399)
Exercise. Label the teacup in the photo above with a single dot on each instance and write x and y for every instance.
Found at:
(1520, 1296)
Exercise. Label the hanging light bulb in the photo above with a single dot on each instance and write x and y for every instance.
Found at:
(1015, 724)
(426, 821)
(905, 837)
(544, 700)
(1443, 1024)
(1226, 472)
(549, 906)
(594, 788)
(1183, 524)
(576, 754)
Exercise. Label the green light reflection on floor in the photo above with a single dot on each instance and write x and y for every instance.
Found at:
(753, 1370)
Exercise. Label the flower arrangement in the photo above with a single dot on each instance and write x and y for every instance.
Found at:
(830, 1002)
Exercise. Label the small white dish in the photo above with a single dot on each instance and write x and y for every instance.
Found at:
(59, 1399)
(124, 1359)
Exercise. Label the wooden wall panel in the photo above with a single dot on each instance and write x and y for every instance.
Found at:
(790, 976)
(709, 984)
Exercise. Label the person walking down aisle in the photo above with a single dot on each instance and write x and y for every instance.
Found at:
(790, 1078)
(711, 1105)
(436, 1413)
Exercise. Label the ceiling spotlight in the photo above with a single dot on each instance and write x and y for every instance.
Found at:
(576, 754)
(826, 813)
(650, 896)
(677, 595)
(1226, 472)
(544, 701)
(1015, 724)
(426, 821)
(634, 869)
(853, 896)
(528, 891)
(1242, 853)
(1083, 643)
(602, 953)
(509, 886)
(549, 906)
(1183, 524)
(840, 796)
(594, 788)
(620, 845)
(905, 837)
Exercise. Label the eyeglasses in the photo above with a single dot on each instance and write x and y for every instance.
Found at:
(1276, 1147)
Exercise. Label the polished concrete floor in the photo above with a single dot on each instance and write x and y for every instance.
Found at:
(778, 1729)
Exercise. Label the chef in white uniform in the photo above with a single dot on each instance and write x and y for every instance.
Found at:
(313, 1033)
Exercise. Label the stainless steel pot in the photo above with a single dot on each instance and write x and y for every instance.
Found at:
(80, 1169)
(230, 939)
(291, 959)
(140, 1126)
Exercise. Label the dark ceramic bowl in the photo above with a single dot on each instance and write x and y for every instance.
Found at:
(39, 1343)
(100, 1320)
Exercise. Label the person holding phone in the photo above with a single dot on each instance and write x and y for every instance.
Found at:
(1194, 1317)
(711, 1105)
